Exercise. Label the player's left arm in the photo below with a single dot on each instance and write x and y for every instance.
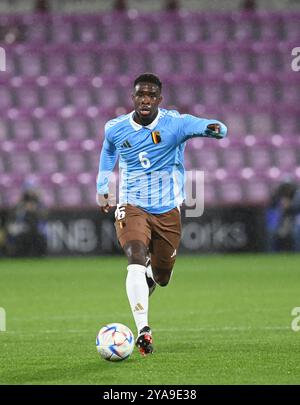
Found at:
(191, 127)
(108, 159)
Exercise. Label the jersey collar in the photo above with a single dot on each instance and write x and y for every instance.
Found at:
(137, 126)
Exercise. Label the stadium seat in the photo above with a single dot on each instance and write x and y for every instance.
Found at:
(57, 61)
(47, 161)
(260, 157)
(31, 62)
(81, 95)
(6, 99)
(73, 162)
(230, 191)
(257, 191)
(166, 27)
(69, 74)
(219, 30)
(213, 59)
(192, 28)
(69, 195)
(233, 158)
(291, 28)
(238, 59)
(244, 27)
(61, 30)
(37, 28)
(83, 62)
(76, 127)
(22, 128)
(27, 95)
(20, 162)
(286, 158)
(50, 127)
(140, 30)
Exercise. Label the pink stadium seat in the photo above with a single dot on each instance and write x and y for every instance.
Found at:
(22, 128)
(286, 158)
(291, 28)
(238, 92)
(263, 93)
(107, 96)
(69, 195)
(57, 62)
(261, 123)
(47, 161)
(61, 29)
(6, 100)
(27, 96)
(83, 63)
(81, 95)
(236, 122)
(230, 191)
(54, 95)
(260, 157)
(20, 162)
(219, 30)
(37, 29)
(76, 127)
(185, 94)
(207, 159)
(31, 62)
(70, 74)
(257, 190)
(233, 158)
(49, 127)
(87, 29)
(213, 60)
(73, 162)
(163, 62)
(166, 28)
(111, 62)
(192, 28)
(140, 30)
(239, 60)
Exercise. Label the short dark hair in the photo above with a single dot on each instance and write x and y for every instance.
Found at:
(148, 78)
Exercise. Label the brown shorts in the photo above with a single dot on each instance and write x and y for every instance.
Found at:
(160, 232)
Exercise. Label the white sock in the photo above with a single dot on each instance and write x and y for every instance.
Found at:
(149, 271)
(138, 294)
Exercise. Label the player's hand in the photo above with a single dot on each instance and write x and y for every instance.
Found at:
(214, 131)
(105, 202)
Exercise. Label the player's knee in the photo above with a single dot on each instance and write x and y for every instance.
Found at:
(136, 252)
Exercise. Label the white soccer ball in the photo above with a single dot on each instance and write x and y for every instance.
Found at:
(115, 342)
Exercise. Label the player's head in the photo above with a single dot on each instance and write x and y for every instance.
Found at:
(146, 97)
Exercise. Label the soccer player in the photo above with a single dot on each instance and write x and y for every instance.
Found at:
(149, 143)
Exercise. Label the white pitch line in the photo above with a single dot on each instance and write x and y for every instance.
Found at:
(224, 329)
(201, 329)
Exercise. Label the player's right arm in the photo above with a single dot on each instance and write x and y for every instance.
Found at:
(108, 159)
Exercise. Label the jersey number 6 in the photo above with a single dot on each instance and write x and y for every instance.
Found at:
(145, 162)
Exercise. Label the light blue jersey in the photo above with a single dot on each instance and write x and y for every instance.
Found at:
(151, 158)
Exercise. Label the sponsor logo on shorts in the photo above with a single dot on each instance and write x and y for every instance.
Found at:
(173, 254)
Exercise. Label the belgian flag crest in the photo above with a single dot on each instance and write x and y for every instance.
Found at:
(156, 137)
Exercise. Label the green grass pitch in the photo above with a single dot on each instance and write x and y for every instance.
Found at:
(223, 319)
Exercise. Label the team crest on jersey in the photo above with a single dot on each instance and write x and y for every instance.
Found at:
(156, 137)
